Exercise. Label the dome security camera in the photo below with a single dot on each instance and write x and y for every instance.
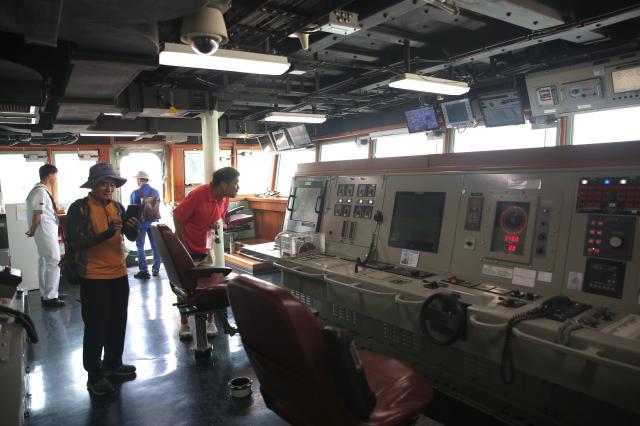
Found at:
(204, 31)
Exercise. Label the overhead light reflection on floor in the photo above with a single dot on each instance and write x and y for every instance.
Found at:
(235, 344)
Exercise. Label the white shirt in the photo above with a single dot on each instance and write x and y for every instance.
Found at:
(39, 201)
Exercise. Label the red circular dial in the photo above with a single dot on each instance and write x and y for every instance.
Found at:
(513, 220)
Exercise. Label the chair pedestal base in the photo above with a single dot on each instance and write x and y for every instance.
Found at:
(222, 315)
(202, 348)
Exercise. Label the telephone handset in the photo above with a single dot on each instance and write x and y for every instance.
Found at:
(544, 309)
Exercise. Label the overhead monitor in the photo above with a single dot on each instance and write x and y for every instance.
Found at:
(501, 109)
(265, 143)
(298, 136)
(417, 220)
(421, 119)
(457, 113)
(280, 140)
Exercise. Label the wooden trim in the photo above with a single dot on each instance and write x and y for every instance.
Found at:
(568, 156)
(170, 196)
(563, 131)
(447, 143)
(274, 172)
(178, 171)
(104, 155)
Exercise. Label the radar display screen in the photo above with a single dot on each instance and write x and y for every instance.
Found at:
(510, 227)
(417, 220)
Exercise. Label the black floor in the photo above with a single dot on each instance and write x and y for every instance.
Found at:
(171, 388)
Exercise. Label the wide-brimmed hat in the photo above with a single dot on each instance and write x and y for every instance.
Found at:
(142, 175)
(101, 171)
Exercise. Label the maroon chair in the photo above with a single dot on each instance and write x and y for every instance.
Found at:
(200, 289)
(286, 345)
(234, 223)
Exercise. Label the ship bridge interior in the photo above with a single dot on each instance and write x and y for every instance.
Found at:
(435, 220)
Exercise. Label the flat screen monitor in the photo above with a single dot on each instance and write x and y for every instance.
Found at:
(265, 143)
(457, 113)
(298, 136)
(280, 140)
(421, 119)
(502, 109)
(417, 220)
(626, 80)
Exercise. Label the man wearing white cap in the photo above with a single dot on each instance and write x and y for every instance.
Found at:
(150, 200)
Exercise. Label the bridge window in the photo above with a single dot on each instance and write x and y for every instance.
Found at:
(615, 125)
(194, 166)
(18, 174)
(498, 138)
(288, 165)
(133, 162)
(256, 168)
(344, 150)
(73, 171)
(407, 144)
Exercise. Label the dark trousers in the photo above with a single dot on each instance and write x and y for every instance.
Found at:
(104, 312)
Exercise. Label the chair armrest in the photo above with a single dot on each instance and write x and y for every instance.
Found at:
(233, 211)
(207, 270)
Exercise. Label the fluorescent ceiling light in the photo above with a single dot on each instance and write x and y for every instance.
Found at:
(181, 55)
(423, 83)
(297, 72)
(114, 134)
(113, 114)
(295, 117)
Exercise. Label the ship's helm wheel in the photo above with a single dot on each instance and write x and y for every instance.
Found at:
(442, 318)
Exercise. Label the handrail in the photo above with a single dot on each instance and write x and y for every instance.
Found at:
(590, 353)
(336, 282)
(373, 292)
(473, 319)
(296, 270)
(402, 301)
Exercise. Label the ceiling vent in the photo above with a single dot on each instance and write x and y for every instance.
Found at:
(175, 103)
(339, 22)
(18, 114)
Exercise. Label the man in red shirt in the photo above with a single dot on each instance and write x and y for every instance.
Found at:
(195, 219)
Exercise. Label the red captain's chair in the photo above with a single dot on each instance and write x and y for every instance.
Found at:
(200, 290)
(309, 375)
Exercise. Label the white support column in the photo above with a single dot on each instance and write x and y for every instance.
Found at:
(210, 143)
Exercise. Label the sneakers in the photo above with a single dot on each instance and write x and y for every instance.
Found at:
(52, 303)
(101, 387)
(155, 272)
(185, 332)
(142, 275)
(212, 330)
(123, 370)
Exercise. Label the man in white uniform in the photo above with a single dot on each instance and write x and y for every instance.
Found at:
(42, 216)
